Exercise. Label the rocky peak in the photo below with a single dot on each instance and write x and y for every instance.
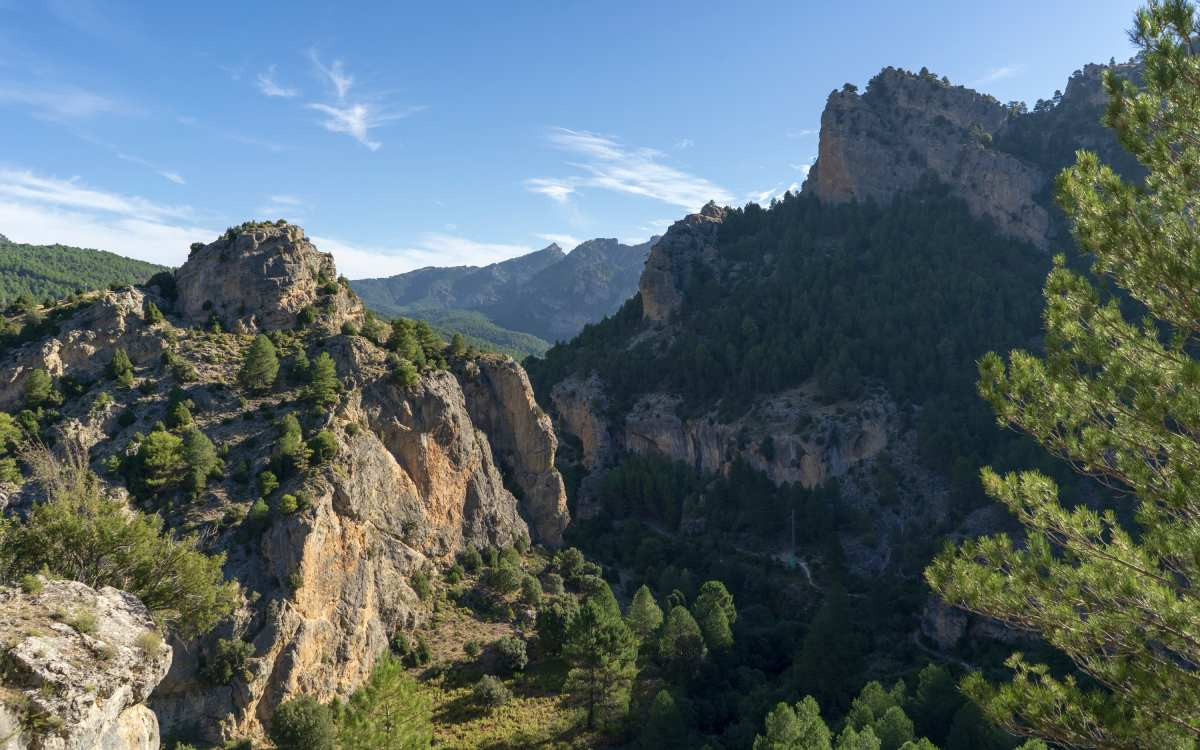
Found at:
(672, 259)
(78, 666)
(907, 126)
(263, 276)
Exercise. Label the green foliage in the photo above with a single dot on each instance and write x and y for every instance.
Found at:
(602, 653)
(288, 504)
(261, 365)
(554, 620)
(323, 446)
(1117, 399)
(267, 483)
(471, 559)
(490, 692)
(511, 654)
(291, 453)
(799, 728)
(531, 591)
(665, 727)
(458, 346)
(681, 645)
(389, 712)
(79, 534)
(715, 613)
(503, 578)
(228, 658)
(324, 388)
(406, 373)
(200, 461)
(303, 724)
(421, 584)
(56, 271)
(157, 463)
(152, 314)
(120, 368)
(39, 390)
(644, 616)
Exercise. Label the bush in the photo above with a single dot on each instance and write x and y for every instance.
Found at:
(554, 584)
(472, 560)
(422, 585)
(288, 504)
(503, 579)
(490, 692)
(511, 654)
(531, 591)
(303, 723)
(324, 446)
(473, 648)
(229, 658)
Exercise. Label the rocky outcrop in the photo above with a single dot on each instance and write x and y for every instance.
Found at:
(76, 666)
(671, 262)
(906, 127)
(89, 332)
(501, 402)
(261, 277)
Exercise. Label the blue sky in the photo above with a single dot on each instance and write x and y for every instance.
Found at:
(446, 133)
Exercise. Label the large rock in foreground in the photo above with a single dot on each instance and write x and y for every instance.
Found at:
(261, 277)
(76, 666)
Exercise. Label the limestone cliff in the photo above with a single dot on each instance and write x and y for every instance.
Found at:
(672, 260)
(262, 277)
(76, 667)
(420, 472)
(906, 126)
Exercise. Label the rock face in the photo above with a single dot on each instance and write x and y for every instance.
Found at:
(261, 277)
(78, 665)
(673, 258)
(90, 332)
(501, 402)
(907, 126)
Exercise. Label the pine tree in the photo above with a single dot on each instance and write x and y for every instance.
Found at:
(153, 314)
(1118, 400)
(303, 724)
(39, 389)
(324, 388)
(799, 728)
(407, 373)
(261, 365)
(458, 346)
(715, 613)
(120, 368)
(852, 739)
(681, 645)
(291, 452)
(602, 653)
(645, 616)
(389, 712)
(200, 460)
(665, 727)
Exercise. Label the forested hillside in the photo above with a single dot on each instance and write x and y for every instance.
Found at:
(53, 271)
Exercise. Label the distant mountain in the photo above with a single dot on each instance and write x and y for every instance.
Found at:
(519, 304)
(57, 270)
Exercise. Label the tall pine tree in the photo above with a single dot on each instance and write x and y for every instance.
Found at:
(1120, 401)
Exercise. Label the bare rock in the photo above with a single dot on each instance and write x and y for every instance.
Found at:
(673, 258)
(260, 277)
(501, 402)
(79, 664)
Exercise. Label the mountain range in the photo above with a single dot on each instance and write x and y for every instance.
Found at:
(520, 305)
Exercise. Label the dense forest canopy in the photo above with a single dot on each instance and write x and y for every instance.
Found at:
(54, 271)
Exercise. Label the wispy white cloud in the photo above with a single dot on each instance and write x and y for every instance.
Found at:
(60, 102)
(44, 210)
(802, 133)
(283, 206)
(608, 164)
(353, 118)
(684, 143)
(269, 87)
(565, 241)
(997, 74)
(801, 168)
(431, 249)
(166, 174)
(764, 197)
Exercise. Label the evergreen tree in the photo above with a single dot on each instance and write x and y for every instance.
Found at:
(200, 460)
(644, 615)
(851, 739)
(681, 645)
(291, 452)
(602, 653)
(1116, 399)
(799, 728)
(120, 368)
(159, 460)
(458, 346)
(714, 611)
(407, 373)
(261, 365)
(665, 727)
(554, 623)
(39, 389)
(324, 388)
(389, 712)
(303, 724)
(153, 314)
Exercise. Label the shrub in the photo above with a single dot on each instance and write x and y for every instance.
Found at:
(531, 591)
(31, 584)
(150, 642)
(554, 584)
(511, 654)
(490, 692)
(473, 648)
(303, 723)
(455, 574)
(267, 483)
(472, 560)
(229, 658)
(288, 504)
(83, 621)
(422, 585)
(503, 579)
(324, 446)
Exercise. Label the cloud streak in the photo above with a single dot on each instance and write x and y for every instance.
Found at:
(66, 103)
(269, 87)
(355, 118)
(166, 174)
(997, 74)
(604, 163)
(45, 210)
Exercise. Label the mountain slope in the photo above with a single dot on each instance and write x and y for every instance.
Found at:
(55, 271)
(546, 296)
